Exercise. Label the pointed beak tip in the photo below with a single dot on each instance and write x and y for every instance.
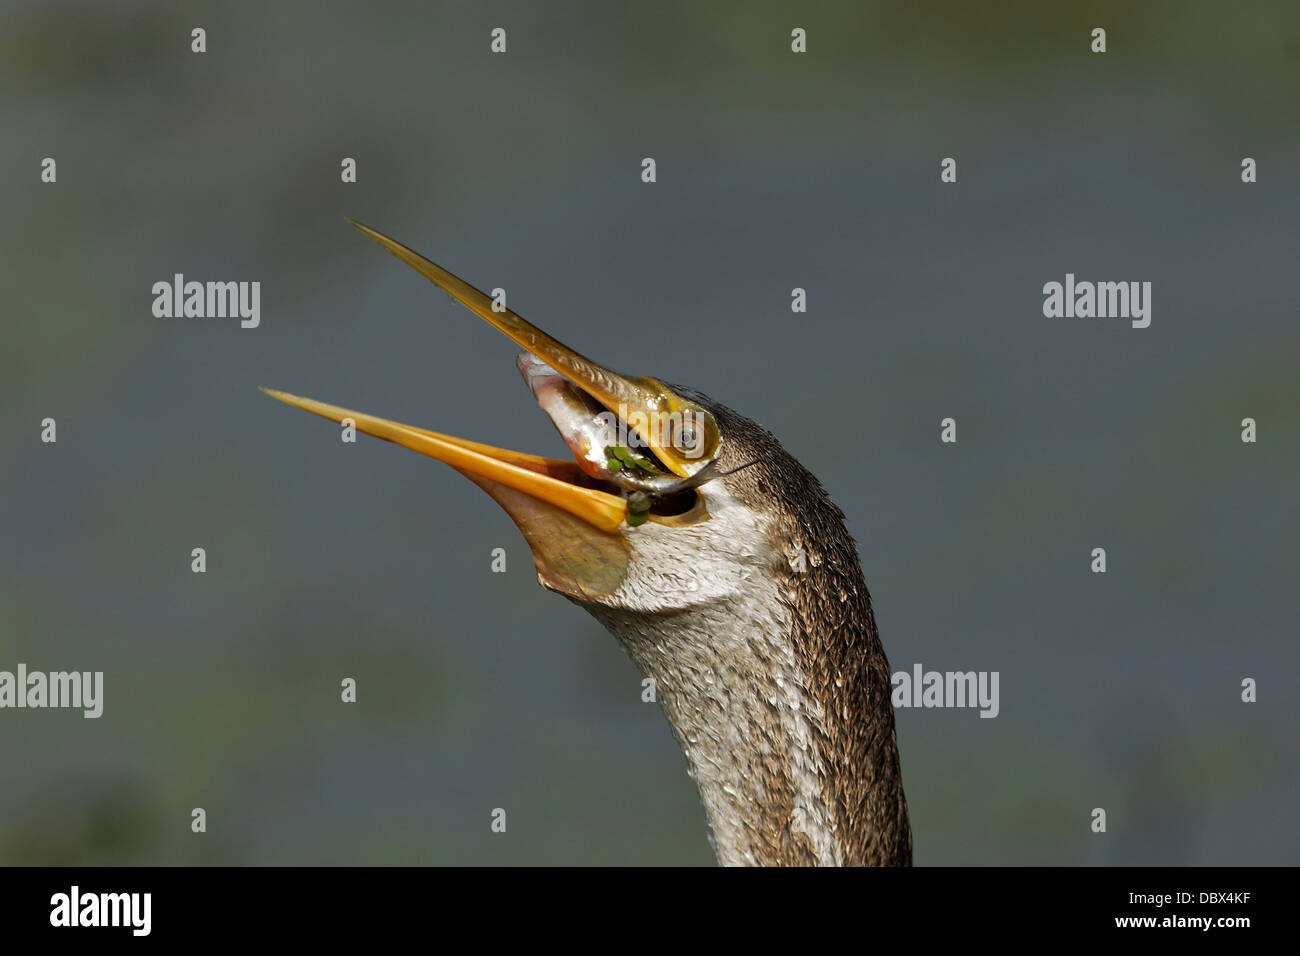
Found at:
(524, 473)
(377, 237)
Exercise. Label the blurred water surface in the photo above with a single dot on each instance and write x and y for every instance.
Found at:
(479, 690)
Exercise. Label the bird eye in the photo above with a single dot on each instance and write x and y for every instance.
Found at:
(692, 435)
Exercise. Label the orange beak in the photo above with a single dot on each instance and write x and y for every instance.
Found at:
(573, 524)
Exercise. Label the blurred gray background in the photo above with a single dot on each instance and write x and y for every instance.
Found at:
(480, 690)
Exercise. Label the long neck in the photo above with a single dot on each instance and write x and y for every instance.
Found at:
(781, 703)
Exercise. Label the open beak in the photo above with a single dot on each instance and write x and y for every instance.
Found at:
(548, 480)
(571, 519)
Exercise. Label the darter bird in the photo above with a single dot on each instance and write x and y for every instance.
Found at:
(724, 569)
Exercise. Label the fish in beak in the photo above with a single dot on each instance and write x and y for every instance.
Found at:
(639, 449)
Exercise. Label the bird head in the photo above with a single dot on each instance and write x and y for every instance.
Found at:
(724, 570)
(656, 510)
